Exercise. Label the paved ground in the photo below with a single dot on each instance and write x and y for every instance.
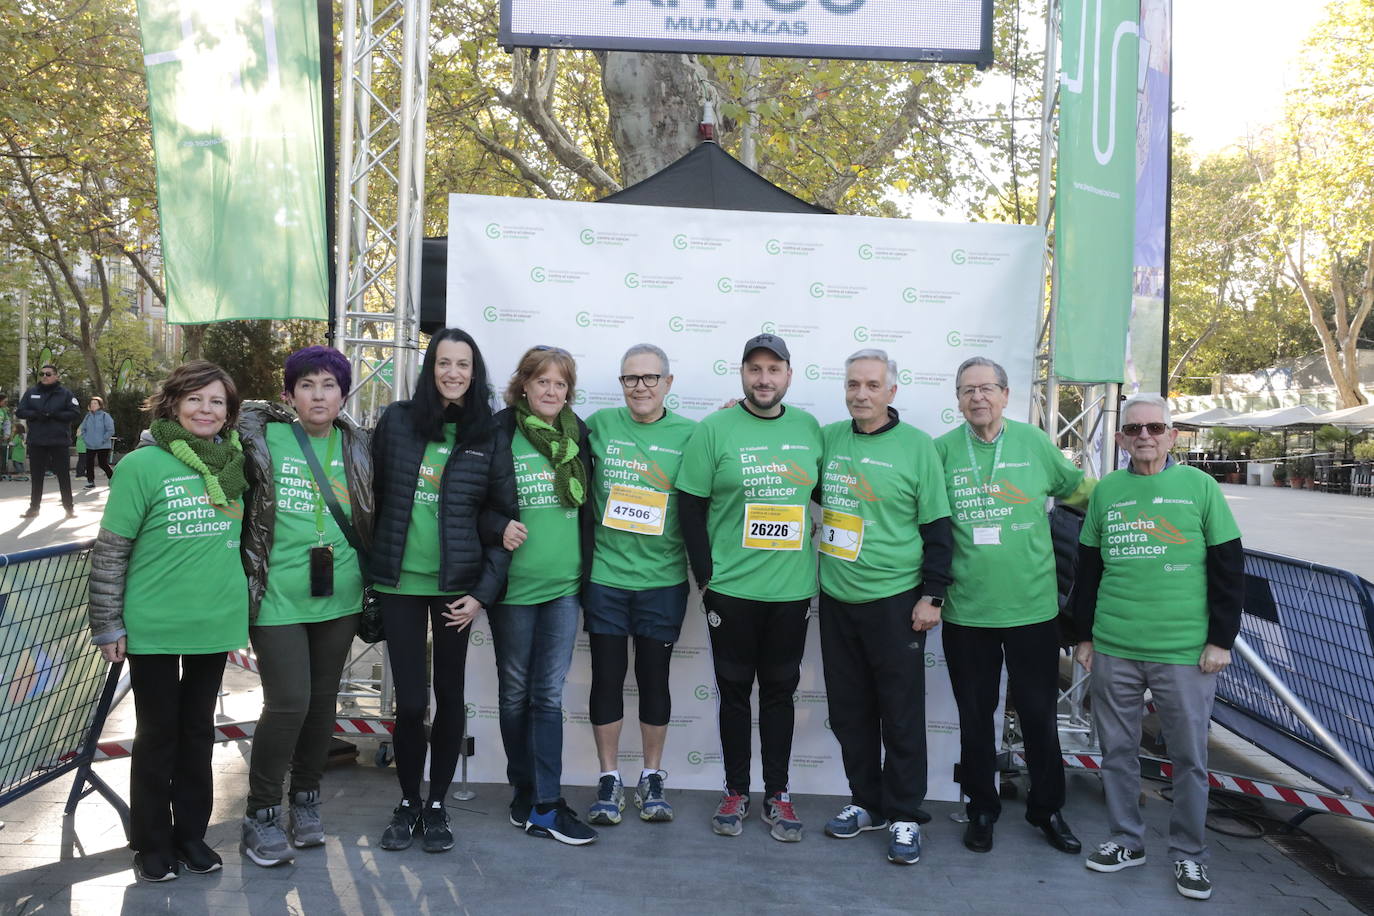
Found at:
(52, 864)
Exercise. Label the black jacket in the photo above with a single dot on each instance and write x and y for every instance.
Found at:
(476, 490)
(50, 411)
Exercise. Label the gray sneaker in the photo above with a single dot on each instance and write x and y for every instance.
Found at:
(778, 811)
(649, 798)
(304, 820)
(263, 839)
(610, 801)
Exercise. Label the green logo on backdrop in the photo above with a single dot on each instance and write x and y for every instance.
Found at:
(958, 256)
(817, 290)
(947, 415)
(579, 397)
(493, 230)
(702, 692)
(679, 242)
(584, 319)
(813, 372)
(672, 402)
(720, 367)
(587, 236)
(861, 333)
(694, 758)
(930, 659)
(905, 376)
(479, 637)
(537, 274)
(772, 246)
(769, 327)
(909, 294)
(866, 252)
(490, 313)
(676, 323)
(724, 285)
(954, 338)
(632, 280)
(470, 709)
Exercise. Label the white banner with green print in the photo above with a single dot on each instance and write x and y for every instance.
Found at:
(598, 278)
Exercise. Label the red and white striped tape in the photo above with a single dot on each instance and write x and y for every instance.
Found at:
(239, 731)
(244, 660)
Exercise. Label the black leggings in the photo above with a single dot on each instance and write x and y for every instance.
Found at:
(404, 618)
(611, 660)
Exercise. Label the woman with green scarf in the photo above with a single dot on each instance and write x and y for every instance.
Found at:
(534, 626)
(167, 592)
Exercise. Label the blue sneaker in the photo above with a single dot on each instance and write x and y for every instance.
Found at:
(852, 821)
(905, 846)
(610, 801)
(730, 814)
(561, 824)
(649, 798)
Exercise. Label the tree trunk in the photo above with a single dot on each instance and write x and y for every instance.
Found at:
(655, 105)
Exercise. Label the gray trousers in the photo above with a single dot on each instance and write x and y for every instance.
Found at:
(1182, 696)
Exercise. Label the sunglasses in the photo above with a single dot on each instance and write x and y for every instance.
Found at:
(1135, 429)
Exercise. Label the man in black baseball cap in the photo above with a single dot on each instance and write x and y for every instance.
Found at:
(770, 342)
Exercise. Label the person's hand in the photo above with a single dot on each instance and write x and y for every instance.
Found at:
(728, 404)
(925, 616)
(514, 535)
(462, 612)
(1213, 659)
(114, 651)
(1083, 654)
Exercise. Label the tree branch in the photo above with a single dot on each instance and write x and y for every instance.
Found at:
(882, 147)
(522, 165)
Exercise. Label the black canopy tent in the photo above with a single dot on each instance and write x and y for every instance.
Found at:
(707, 178)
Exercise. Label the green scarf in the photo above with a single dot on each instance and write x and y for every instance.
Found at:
(559, 446)
(220, 463)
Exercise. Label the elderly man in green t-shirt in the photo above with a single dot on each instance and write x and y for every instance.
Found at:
(1160, 587)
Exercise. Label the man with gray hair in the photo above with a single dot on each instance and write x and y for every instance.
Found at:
(1161, 581)
(884, 567)
(1004, 604)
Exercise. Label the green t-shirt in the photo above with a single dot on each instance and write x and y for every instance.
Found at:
(1004, 573)
(185, 592)
(1154, 531)
(645, 457)
(876, 492)
(420, 561)
(764, 469)
(549, 564)
(287, 599)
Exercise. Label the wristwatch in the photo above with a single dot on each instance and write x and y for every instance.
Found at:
(937, 602)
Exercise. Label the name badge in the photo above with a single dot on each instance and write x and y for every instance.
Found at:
(842, 535)
(769, 527)
(987, 536)
(635, 509)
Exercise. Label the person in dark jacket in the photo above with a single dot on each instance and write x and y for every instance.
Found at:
(535, 626)
(305, 589)
(51, 410)
(445, 489)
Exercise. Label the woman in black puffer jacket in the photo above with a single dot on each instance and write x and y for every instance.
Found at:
(444, 487)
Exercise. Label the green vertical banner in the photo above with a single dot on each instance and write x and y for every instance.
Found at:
(234, 96)
(1094, 219)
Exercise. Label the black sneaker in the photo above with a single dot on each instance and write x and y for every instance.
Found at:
(155, 866)
(520, 807)
(435, 834)
(198, 858)
(1190, 878)
(401, 831)
(561, 824)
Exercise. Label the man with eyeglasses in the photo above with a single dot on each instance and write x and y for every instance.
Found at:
(884, 564)
(746, 481)
(1003, 605)
(1161, 578)
(50, 410)
(638, 585)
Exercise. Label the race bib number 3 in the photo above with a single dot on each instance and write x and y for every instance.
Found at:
(768, 527)
(635, 509)
(842, 535)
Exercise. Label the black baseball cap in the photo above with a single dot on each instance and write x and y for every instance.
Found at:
(770, 342)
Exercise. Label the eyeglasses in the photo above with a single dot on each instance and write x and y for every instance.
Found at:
(1135, 429)
(986, 391)
(631, 381)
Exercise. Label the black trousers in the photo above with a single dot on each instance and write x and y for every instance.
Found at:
(974, 656)
(875, 683)
(55, 458)
(94, 456)
(171, 786)
(761, 640)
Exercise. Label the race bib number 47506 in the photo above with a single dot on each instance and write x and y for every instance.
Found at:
(635, 509)
(769, 527)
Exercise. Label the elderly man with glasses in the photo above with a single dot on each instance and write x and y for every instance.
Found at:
(1004, 604)
(1160, 588)
(50, 410)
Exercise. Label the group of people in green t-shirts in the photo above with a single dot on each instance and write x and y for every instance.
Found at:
(449, 510)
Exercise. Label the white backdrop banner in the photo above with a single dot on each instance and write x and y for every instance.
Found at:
(598, 278)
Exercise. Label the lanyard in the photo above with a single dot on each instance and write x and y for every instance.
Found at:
(319, 499)
(984, 483)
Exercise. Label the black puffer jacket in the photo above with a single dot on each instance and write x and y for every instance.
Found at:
(50, 411)
(476, 497)
(260, 509)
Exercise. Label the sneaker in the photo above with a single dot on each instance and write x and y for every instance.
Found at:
(1112, 857)
(610, 801)
(263, 839)
(905, 846)
(852, 821)
(649, 798)
(89, 486)
(198, 858)
(561, 824)
(520, 807)
(1191, 879)
(730, 814)
(155, 866)
(32, 512)
(304, 820)
(401, 831)
(778, 811)
(436, 835)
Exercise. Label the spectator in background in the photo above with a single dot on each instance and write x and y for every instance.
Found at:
(97, 431)
(51, 410)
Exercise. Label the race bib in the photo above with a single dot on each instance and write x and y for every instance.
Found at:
(768, 527)
(842, 535)
(990, 536)
(635, 509)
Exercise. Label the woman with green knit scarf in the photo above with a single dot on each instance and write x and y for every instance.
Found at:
(535, 624)
(169, 594)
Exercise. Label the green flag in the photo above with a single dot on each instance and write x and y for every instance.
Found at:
(126, 369)
(234, 94)
(1095, 191)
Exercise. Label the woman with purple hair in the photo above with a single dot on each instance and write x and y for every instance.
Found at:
(305, 588)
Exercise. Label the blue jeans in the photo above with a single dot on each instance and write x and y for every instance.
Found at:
(534, 646)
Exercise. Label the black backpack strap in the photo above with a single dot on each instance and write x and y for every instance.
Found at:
(327, 491)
